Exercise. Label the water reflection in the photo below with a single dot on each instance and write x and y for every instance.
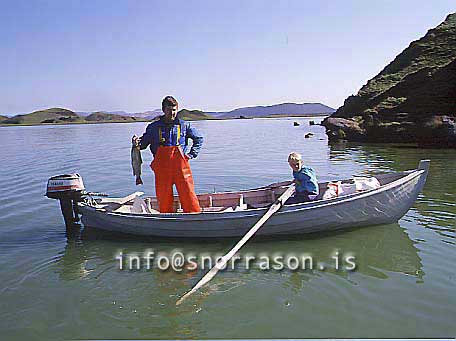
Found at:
(379, 250)
(146, 294)
(437, 203)
(73, 261)
(71, 285)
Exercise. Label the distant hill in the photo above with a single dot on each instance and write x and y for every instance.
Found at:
(147, 115)
(413, 99)
(103, 117)
(62, 116)
(284, 109)
(52, 115)
(82, 113)
(185, 114)
(193, 115)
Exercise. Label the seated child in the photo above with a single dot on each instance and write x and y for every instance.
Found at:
(305, 179)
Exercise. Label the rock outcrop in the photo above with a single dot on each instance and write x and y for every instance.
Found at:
(413, 99)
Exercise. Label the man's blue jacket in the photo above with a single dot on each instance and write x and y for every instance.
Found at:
(160, 133)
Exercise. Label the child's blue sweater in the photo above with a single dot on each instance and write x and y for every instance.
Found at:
(306, 180)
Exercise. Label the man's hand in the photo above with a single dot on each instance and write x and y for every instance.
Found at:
(136, 141)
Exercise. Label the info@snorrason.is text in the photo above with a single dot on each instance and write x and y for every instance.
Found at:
(177, 260)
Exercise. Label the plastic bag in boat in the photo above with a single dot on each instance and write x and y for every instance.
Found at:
(333, 189)
(142, 206)
(360, 184)
(139, 206)
(366, 183)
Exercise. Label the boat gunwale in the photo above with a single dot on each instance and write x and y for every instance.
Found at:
(255, 212)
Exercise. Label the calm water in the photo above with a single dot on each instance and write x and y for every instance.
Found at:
(404, 285)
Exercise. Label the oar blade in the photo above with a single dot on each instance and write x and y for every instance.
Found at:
(222, 262)
(207, 277)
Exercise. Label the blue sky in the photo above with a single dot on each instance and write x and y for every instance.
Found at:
(211, 55)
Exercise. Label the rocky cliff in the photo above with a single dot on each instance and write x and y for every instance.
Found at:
(413, 99)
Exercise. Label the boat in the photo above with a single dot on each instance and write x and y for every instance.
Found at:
(232, 214)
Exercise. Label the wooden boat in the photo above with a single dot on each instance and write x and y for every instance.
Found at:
(231, 214)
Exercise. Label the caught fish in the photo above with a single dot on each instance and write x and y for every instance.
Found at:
(136, 162)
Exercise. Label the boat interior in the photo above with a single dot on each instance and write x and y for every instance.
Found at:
(261, 197)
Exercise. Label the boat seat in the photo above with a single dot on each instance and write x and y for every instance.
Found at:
(214, 209)
(123, 209)
(242, 206)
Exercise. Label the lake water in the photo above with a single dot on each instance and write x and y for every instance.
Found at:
(54, 287)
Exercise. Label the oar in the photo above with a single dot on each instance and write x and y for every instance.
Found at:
(222, 261)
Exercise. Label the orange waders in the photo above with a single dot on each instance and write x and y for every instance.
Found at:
(171, 167)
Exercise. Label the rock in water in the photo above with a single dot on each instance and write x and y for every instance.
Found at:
(136, 162)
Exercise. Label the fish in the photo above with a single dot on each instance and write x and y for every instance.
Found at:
(136, 162)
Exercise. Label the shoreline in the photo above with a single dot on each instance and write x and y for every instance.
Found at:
(140, 120)
(64, 123)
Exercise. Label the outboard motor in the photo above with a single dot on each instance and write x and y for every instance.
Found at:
(68, 189)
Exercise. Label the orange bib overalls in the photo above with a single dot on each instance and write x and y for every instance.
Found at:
(171, 167)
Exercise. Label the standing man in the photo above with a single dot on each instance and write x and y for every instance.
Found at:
(168, 139)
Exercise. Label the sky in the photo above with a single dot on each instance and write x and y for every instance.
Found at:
(210, 55)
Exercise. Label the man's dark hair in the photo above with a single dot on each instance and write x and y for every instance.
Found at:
(169, 101)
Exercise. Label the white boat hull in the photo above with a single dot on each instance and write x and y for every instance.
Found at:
(383, 205)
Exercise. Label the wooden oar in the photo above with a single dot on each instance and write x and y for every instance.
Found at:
(123, 200)
(222, 262)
